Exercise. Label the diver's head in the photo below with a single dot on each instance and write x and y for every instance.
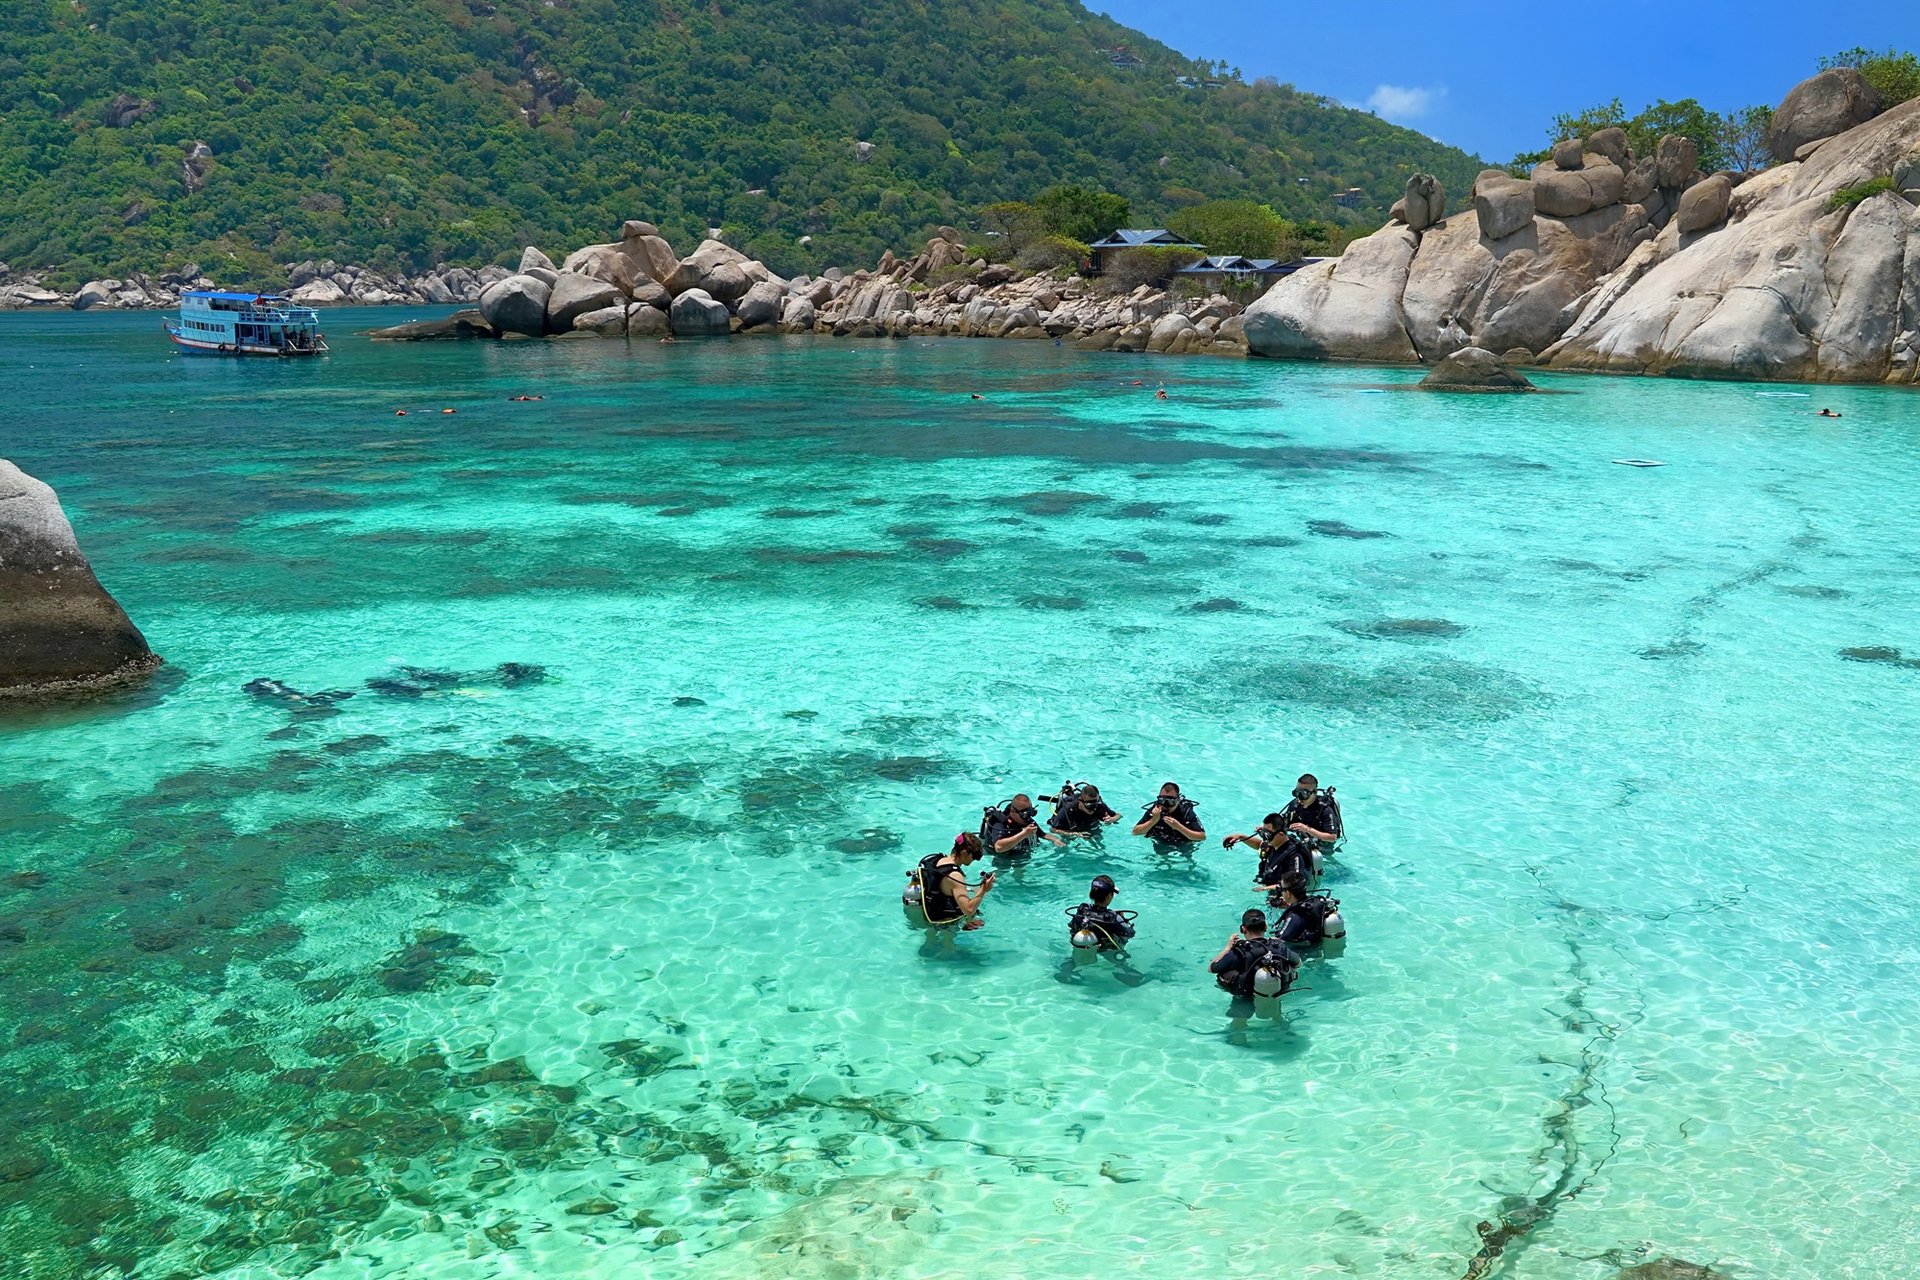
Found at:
(1254, 923)
(1305, 789)
(1020, 808)
(1169, 792)
(1102, 890)
(1087, 795)
(966, 847)
(1293, 891)
(1273, 822)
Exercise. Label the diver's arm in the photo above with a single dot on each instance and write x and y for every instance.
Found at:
(1219, 964)
(1007, 844)
(1147, 823)
(1304, 829)
(970, 904)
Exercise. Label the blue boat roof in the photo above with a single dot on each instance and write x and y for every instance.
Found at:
(225, 296)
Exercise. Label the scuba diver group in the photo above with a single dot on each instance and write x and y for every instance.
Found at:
(1260, 961)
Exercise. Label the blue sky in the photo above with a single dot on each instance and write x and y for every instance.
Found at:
(1491, 79)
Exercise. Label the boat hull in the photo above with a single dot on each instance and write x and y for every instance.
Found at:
(201, 347)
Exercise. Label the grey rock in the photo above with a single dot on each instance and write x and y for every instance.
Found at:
(761, 306)
(1425, 202)
(1674, 160)
(1502, 204)
(1474, 369)
(574, 296)
(58, 626)
(1612, 143)
(607, 322)
(651, 293)
(647, 322)
(545, 275)
(1562, 193)
(608, 262)
(696, 313)
(1166, 329)
(1570, 154)
(94, 293)
(1819, 107)
(1345, 308)
(517, 304)
(799, 315)
(1704, 204)
(469, 323)
(531, 257)
(1641, 181)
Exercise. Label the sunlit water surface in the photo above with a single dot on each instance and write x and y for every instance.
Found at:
(606, 974)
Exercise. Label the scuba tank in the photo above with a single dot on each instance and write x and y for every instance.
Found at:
(911, 896)
(1331, 925)
(1319, 862)
(1273, 969)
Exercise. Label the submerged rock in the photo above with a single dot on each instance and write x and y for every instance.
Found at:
(469, 323)
(58, 626)
(1474, 369)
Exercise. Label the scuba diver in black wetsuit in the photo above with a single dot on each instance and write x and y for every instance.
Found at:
(1252, 964)
(1170, 819)
(938, 887)
(1078, 810)
(1313, 812)
(1095, 925)
(1306, 919)
(1012, 828)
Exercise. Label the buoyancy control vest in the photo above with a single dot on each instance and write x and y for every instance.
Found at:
(1101, 928)
(1267, 968)
(936, 889)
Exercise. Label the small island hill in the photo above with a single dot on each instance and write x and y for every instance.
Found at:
(1602, 261)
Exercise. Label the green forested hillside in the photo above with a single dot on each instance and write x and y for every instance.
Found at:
(401, 134)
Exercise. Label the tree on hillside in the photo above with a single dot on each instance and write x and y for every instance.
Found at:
(1081, 213)
(1707, 130)
(1241, 227)
(1743, 139)
(1893, 74)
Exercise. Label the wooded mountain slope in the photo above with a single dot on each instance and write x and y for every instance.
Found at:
(439, 130)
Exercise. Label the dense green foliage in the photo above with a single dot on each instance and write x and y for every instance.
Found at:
(1736, 140)
(1894, 74)
(1710, 132)
(405, 134)
(1847, 197)
(1243, 227)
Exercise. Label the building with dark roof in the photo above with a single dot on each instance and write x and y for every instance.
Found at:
(1136, 238)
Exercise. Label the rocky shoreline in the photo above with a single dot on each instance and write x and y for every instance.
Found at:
(1808, 271)
(638, 287)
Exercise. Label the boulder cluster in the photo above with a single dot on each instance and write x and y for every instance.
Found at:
(1600, 259)
(639, 288)
(59, 629)
(329, 284)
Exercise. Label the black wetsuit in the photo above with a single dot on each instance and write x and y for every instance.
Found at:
(1304, 925)
(1002, 823)
(1074, 820)
(936, 890)
(1104, 921)
(1183, 810)
(1318, 813)
(1234, 971)
(1285, 857)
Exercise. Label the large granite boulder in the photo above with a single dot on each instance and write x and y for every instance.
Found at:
(1524, 290)
(651, 293)
(517, 304)
(1704, 204)
(531, 259)
(606, 322)
(1502, 203)
(761, 306)
(647, 322)
(1832, 102)
(1793, 289)
(575, 295)
(716, 269)
(58, 626)
(610, 263)
(1425, 202)
(1612, 144)
(1674, 160)
(1474, 369)
(798, 315)
(696, 313)
(1167, 329)
(653, 256)
(1568, 193)
(1345, 308)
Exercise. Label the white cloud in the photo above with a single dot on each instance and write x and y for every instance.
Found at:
(1402, 102)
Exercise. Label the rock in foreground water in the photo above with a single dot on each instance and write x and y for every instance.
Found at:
(1474, 369)
(58, 626)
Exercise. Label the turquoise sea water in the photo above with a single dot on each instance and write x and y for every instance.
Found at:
(606, 975)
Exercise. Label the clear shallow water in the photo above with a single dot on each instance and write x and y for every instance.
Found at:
(608, 973)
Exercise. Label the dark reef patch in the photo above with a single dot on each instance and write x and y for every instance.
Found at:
(1340, 529)
(1219, 604)
(1881, 654)
(1056, 502)
(942, 548)
(1402, 628)
(1130, 557)
(1064, 603)
(944, 604)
